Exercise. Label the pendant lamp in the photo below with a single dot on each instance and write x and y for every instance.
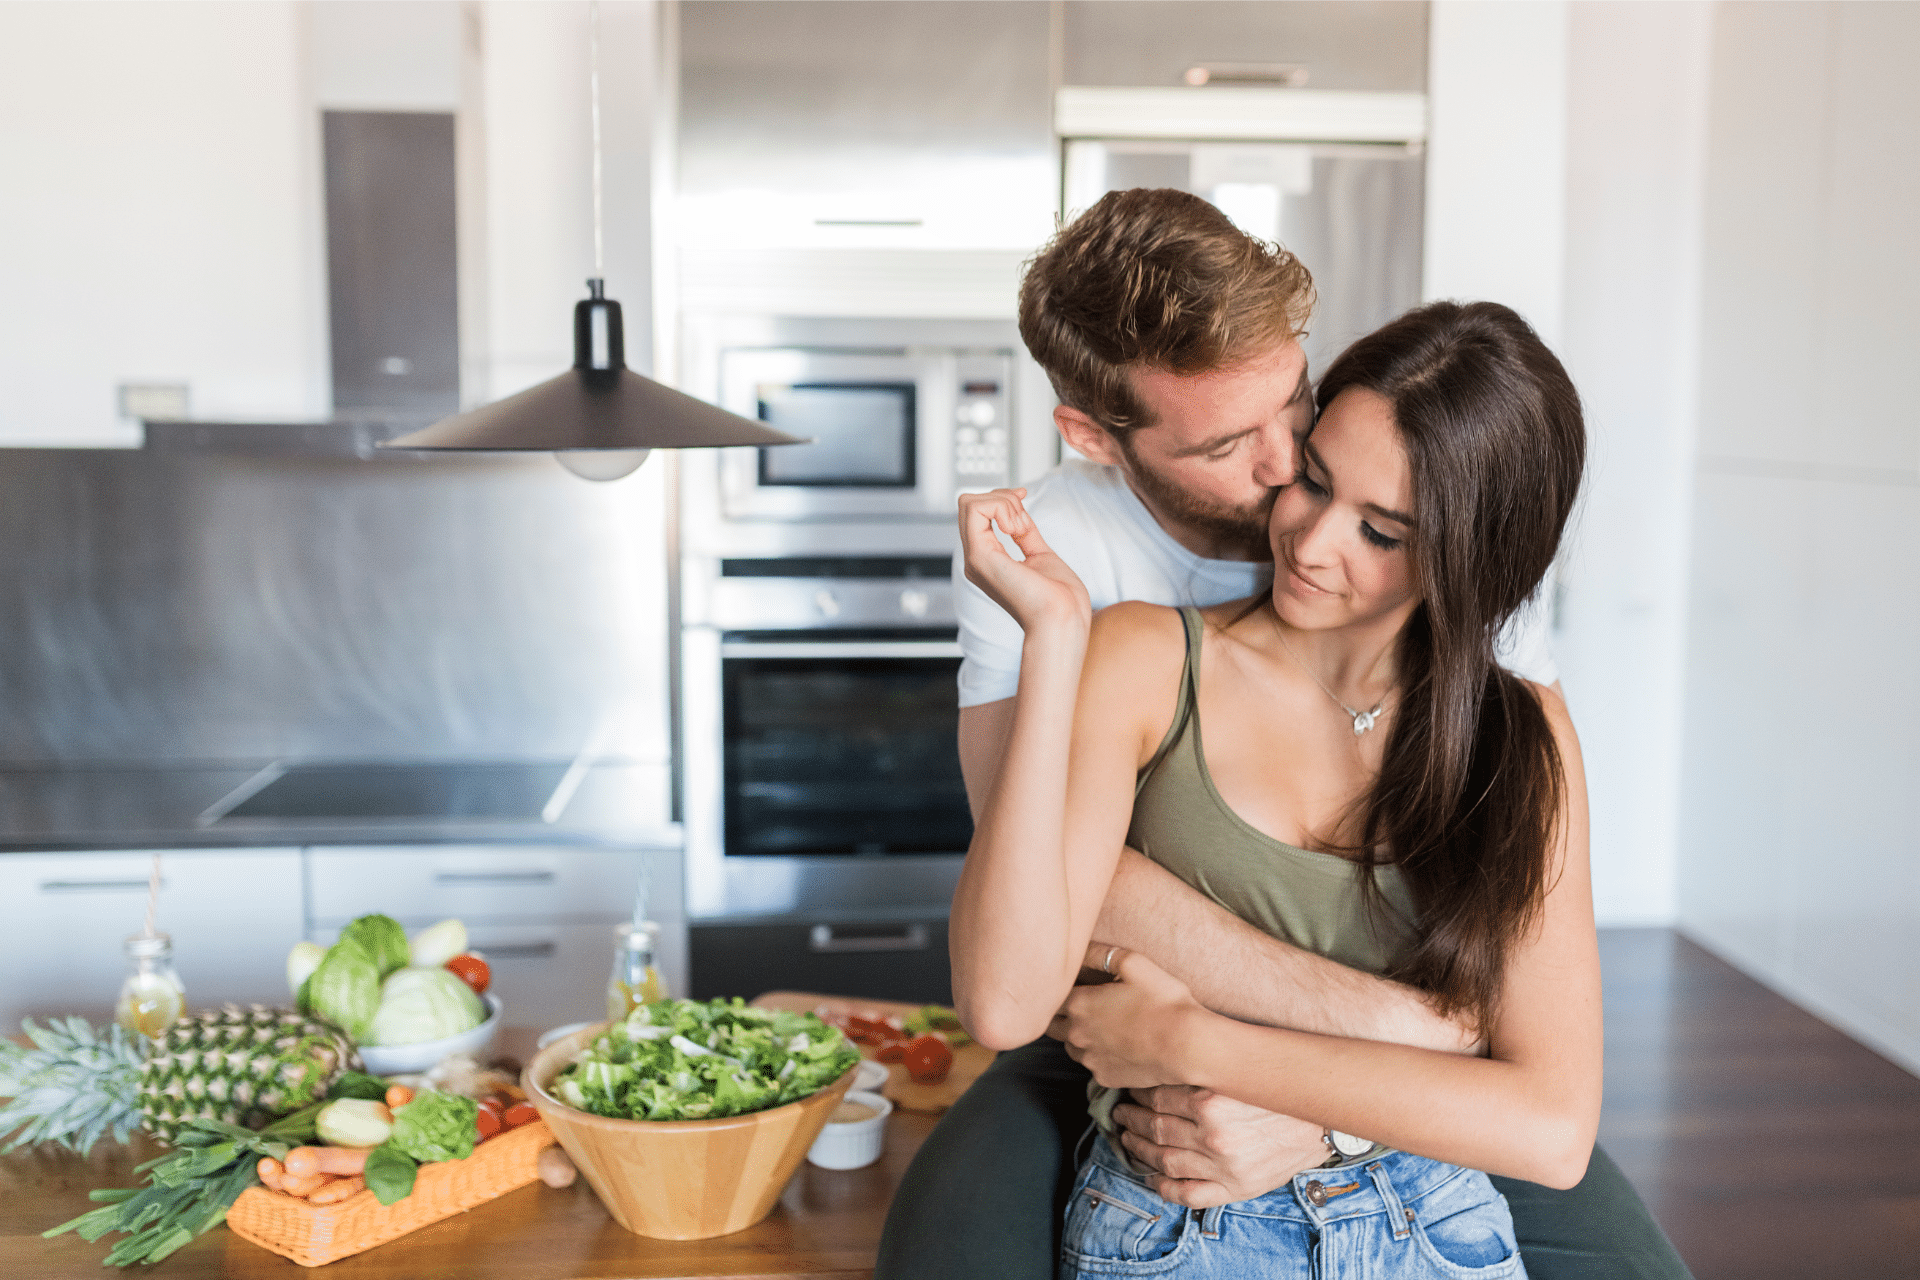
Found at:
(599, 418)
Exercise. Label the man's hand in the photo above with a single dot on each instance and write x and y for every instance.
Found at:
(1206, 1149)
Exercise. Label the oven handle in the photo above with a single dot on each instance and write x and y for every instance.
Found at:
(842, 649)
(911, 937)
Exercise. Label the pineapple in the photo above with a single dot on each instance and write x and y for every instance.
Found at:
(242, 1066)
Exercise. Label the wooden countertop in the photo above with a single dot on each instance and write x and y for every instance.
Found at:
(827, 1224)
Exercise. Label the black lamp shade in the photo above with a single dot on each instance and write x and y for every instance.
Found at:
(597, 404)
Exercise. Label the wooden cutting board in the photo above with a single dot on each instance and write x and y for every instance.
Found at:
(969, 1060)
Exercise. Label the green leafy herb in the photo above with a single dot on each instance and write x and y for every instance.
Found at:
(436, 1126)
(382, 938)
(689, 1060)
(189, 1190)
(936, 1017)
(390, 1172)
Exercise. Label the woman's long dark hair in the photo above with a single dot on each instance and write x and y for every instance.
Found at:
(1468, 798)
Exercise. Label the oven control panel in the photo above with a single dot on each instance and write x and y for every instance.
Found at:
(982, 429)
(833, 593)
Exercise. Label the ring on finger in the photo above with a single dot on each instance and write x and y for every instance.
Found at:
(1106, 966)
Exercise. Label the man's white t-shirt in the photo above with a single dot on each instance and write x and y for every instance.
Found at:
(1105, 533)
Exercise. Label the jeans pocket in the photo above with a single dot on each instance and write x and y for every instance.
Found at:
(1118, 1227)
(1475, 1240)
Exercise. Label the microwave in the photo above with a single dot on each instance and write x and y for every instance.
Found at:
(895, 434)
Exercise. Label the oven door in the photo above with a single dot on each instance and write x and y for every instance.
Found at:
(881, 426)
(840, 747)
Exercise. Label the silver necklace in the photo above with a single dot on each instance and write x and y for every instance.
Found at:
(1362, 720)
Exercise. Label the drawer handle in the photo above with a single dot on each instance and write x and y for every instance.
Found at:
(912, 937)
(96, 886)
(518, 951)
(493, 877)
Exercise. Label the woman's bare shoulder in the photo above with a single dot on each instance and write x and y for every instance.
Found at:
(1137, 628)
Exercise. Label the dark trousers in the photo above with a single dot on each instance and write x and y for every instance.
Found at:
(985, 1195)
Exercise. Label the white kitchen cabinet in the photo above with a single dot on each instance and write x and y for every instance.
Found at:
(543, 915)
(232, 914)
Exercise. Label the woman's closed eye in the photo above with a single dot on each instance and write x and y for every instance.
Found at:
(1378, 538)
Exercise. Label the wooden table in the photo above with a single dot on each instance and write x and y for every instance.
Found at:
(827, 1224)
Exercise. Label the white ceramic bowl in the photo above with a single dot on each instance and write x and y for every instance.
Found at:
(871, 1077)
(852, 1144)
(406, 1059)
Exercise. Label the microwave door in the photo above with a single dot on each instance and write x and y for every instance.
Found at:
(881, 426)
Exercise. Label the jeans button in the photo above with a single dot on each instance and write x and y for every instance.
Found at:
(1316, 1195)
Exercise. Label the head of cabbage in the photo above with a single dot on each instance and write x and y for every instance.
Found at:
(419, 1004)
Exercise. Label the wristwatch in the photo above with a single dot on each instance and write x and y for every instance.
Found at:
(1343, 1146)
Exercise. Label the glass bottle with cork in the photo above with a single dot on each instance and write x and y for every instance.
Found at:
(152, 997)
(635, 980)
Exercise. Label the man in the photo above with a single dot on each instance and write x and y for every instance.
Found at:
(1172, 341)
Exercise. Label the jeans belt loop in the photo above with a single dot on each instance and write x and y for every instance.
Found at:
(1399, 1217)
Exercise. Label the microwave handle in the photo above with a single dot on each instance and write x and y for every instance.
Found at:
(841, 649)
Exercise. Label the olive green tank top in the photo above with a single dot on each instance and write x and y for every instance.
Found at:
(1311, 900)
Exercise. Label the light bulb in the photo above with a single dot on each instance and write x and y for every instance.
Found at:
(601, 464)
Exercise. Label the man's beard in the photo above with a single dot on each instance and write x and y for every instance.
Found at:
(1244, 527)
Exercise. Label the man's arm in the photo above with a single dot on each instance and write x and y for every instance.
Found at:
(1228, 964)
(983, 742)
(1233, 968)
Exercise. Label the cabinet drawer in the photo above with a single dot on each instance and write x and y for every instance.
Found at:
(232, 913)
(418, 884)
(550, 974)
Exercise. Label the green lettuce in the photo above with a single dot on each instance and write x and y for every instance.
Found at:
(345, 989)
(382, 938)
(435, 1126)
(695, 1060)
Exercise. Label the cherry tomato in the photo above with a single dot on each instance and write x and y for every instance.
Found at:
(892, 1051)
(928, 1059)
(492, 1102)
(472, 970)
(518, 1114)
(487, 1123)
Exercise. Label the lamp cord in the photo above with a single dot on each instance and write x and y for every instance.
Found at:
(593, 62)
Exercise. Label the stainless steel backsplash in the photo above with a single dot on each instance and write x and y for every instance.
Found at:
(204, 606)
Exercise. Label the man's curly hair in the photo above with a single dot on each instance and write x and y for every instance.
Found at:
(1159, 278)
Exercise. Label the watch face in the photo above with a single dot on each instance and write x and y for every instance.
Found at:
(1348, 1145)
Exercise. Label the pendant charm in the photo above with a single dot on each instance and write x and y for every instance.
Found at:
(1363, 720)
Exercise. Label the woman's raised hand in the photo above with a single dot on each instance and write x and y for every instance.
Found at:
(1038, 590)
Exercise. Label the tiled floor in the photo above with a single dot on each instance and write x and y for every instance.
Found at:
(1769, 1145)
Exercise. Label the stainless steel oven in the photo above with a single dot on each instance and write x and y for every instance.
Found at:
(826, 815)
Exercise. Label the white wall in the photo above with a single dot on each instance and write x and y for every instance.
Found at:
(1636, 151)
(1801, 779)
(161, 217)
(1496, 160)
(538, 181)
(1563, 180)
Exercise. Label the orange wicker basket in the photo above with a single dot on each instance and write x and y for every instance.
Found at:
(314, 1235)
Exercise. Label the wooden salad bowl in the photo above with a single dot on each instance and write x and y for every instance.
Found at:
(681, 1179)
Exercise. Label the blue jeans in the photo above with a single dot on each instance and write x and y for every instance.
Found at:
(1395, 1216)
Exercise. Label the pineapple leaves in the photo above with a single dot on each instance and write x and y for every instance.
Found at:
(72, 1087)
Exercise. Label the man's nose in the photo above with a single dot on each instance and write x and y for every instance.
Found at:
(1277, 459)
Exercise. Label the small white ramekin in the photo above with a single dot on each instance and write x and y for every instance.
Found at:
(871, 1077)
(856, 1144)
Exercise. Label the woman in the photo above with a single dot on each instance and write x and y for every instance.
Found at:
(1371, 786)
